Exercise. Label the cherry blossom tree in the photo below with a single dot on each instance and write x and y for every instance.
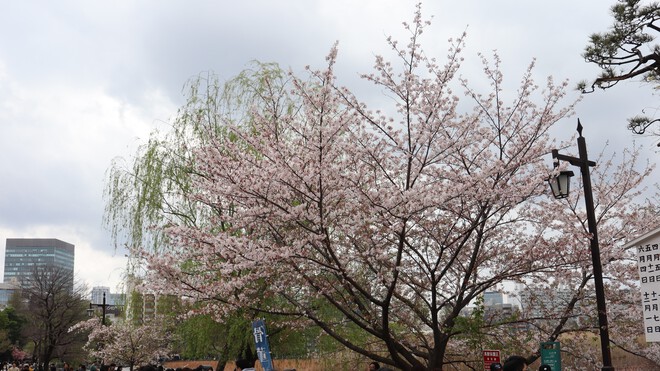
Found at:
(126, 343)
(393, 221)
(18, 354)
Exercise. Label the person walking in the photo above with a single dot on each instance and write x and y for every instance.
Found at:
(515, 363)
(244, 365)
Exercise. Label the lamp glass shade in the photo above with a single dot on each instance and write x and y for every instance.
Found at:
(560, 185)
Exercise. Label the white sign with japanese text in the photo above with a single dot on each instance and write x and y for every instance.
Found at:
(648, 263)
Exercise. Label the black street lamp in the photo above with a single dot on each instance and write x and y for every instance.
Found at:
(90, 311)
(560, 189)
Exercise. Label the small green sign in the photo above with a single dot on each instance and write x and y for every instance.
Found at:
(551, 355)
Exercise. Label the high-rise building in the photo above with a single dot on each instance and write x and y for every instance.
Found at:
(23, 255)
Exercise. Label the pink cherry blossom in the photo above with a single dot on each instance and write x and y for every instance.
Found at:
(392, 220)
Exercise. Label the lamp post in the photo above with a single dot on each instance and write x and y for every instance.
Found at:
(90, 311)
(560, 187)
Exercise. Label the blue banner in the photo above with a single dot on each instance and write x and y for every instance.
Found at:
(261, 343)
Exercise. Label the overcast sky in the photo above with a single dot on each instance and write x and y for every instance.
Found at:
(82, 82)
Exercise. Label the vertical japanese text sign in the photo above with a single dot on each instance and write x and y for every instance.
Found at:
(261, 343)
(648, 263)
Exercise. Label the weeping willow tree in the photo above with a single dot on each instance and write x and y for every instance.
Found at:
(148, 192)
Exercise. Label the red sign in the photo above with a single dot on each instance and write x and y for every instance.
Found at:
(490, 356)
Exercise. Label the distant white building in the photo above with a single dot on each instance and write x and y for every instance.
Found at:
(495, 306)
(114, 303)
(492, 298)
(97, 295)
(550, 305)
(110, 298)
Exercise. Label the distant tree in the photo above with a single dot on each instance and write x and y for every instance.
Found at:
(126, 343)
(5, 346)
(17, 311)
(628, 51)
(202, 337)
(11, 326)
(51, 307)
(15, 322)
(18, 354)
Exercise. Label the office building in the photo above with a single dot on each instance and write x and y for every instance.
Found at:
(23, 255)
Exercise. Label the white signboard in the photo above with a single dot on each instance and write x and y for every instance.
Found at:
(648, 263)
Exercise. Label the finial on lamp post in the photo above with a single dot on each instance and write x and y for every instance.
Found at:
(579, 128)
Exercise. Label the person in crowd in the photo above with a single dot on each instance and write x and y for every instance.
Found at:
(244, 365)
(515, 363)
(496, 366)
(545, 368)
(373, 366)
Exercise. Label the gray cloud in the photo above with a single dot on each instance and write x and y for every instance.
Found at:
(82, 82)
